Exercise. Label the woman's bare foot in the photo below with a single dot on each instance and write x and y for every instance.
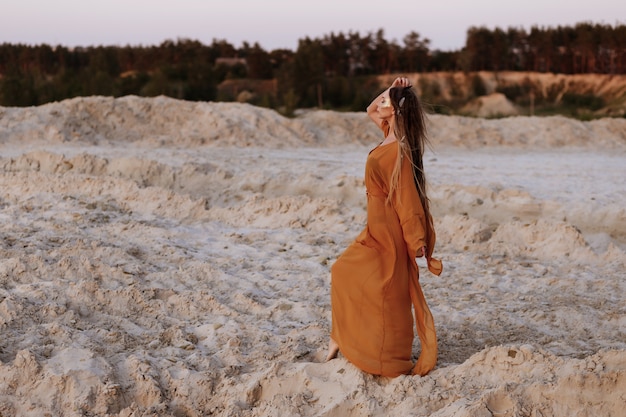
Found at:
(333, 349)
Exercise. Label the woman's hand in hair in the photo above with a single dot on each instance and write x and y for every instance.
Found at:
(401, 82)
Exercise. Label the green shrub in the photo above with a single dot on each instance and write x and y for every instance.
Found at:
(588, 101)
(478, 86)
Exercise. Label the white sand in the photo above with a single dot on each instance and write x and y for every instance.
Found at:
(164, 258)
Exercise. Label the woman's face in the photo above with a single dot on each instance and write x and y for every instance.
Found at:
(385, 110)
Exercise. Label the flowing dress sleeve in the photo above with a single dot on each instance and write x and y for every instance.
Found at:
(417, 230)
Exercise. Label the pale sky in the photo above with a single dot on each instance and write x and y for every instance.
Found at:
(281, 23)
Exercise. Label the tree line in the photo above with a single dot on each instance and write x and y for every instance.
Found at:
(337, 71)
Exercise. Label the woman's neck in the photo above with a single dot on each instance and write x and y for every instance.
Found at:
(389, 139)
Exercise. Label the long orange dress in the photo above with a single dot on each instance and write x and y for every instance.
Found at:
(375, 282)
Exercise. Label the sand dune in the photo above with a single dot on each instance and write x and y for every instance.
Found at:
(161, 257)
(163, 121)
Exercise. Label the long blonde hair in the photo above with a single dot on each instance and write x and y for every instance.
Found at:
(410, 131)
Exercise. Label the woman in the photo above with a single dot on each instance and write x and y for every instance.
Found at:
(374, 282)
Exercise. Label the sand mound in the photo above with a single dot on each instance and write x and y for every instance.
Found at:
(168, 258)
(492, 105)
(164, 121)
